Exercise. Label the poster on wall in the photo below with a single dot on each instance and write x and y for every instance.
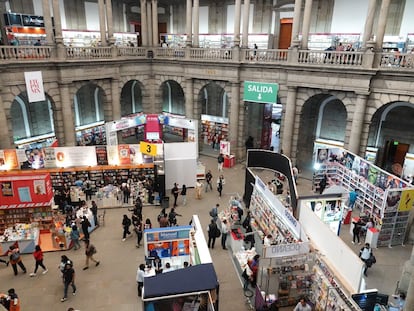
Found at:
(24, 194)
(39, 187)
(225, 147)
(7, 189)
(407, 201)
(101, 155)
(31, 158)
(34, 86)
(70, 156)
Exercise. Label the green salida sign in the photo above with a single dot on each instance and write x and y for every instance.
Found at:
(260, 92)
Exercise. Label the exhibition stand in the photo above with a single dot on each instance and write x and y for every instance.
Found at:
(195, 287)
(382, 196)
(291, 266)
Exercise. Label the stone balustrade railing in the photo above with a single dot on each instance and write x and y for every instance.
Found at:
(350, 59)
(19, 53)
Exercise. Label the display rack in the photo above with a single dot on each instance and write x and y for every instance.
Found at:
(327, 294)
(41, 215)
(99, 176)
(210, 128)
(322, 41)
(371, 200)
(269, 221)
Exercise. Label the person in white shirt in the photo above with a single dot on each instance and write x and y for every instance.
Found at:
(140, 278)
(302, 306)
(267, 241)
(224, 232)
(365, 255)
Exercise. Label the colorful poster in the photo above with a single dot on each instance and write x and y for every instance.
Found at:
(7, 189)
(124, 154)
(101, 155)
(407, 201)
(393, 199)
(322, 155)
(30, 158)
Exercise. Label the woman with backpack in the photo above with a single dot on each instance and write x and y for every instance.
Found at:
(15, 259)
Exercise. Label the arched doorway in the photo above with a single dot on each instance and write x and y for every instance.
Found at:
(173, 100)
(131, 98)
(323, 120)
(388, 138)
(214, 115)
(89, 115)
(31, 121)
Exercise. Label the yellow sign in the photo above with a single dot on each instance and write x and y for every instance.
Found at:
(407, 200)
(147, 148)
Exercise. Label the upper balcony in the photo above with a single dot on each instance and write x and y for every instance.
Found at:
(15, 55)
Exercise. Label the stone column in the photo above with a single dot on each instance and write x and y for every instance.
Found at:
(382, 22)
(234, 115)
(4, 134)
(155, 36)
(58, 23)
(245, 37)
(357, 123)
(102, 24)
(149, 24)
(276, 30)
(110, 22)
(144, 23)
(116, 100)
(47, 17)
(306, 23)
(189, 23)
(196, 21)
(289, 121)
(189, 98)
(237, 14)
(296, 23)
(369, 22)
(67, 116)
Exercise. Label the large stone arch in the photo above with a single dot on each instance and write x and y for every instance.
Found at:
(131, 92)
(158, 81)
(173, 98)
(143, 81)
(307, 114)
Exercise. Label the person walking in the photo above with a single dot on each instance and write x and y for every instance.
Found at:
(212, 233)
(365, 254)
(138, 228)
(184, 194)
(209, 178)
(302, 306)
(68, 279)
(90, 250)
(172, 217)
(74, 236)
(12, 300)
(94, 210)
(175, 192)
(140, 278)
(224, 232)
(356, 231)
(220, 183)
(198, 189)
(163, 219)
(15, 259)
(353, 195)
(220, 162)
(38, 256)
(126, 223)
(85, 224)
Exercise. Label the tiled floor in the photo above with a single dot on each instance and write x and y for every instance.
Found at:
(112, 284)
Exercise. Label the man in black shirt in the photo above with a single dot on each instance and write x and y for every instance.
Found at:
(209, 177)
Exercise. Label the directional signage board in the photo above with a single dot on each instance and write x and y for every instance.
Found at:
(260, 92)
(146, 148)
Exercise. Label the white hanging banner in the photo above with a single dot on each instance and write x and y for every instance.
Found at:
(34, 86)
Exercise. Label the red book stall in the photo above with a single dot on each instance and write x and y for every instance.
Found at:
(25, 210)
